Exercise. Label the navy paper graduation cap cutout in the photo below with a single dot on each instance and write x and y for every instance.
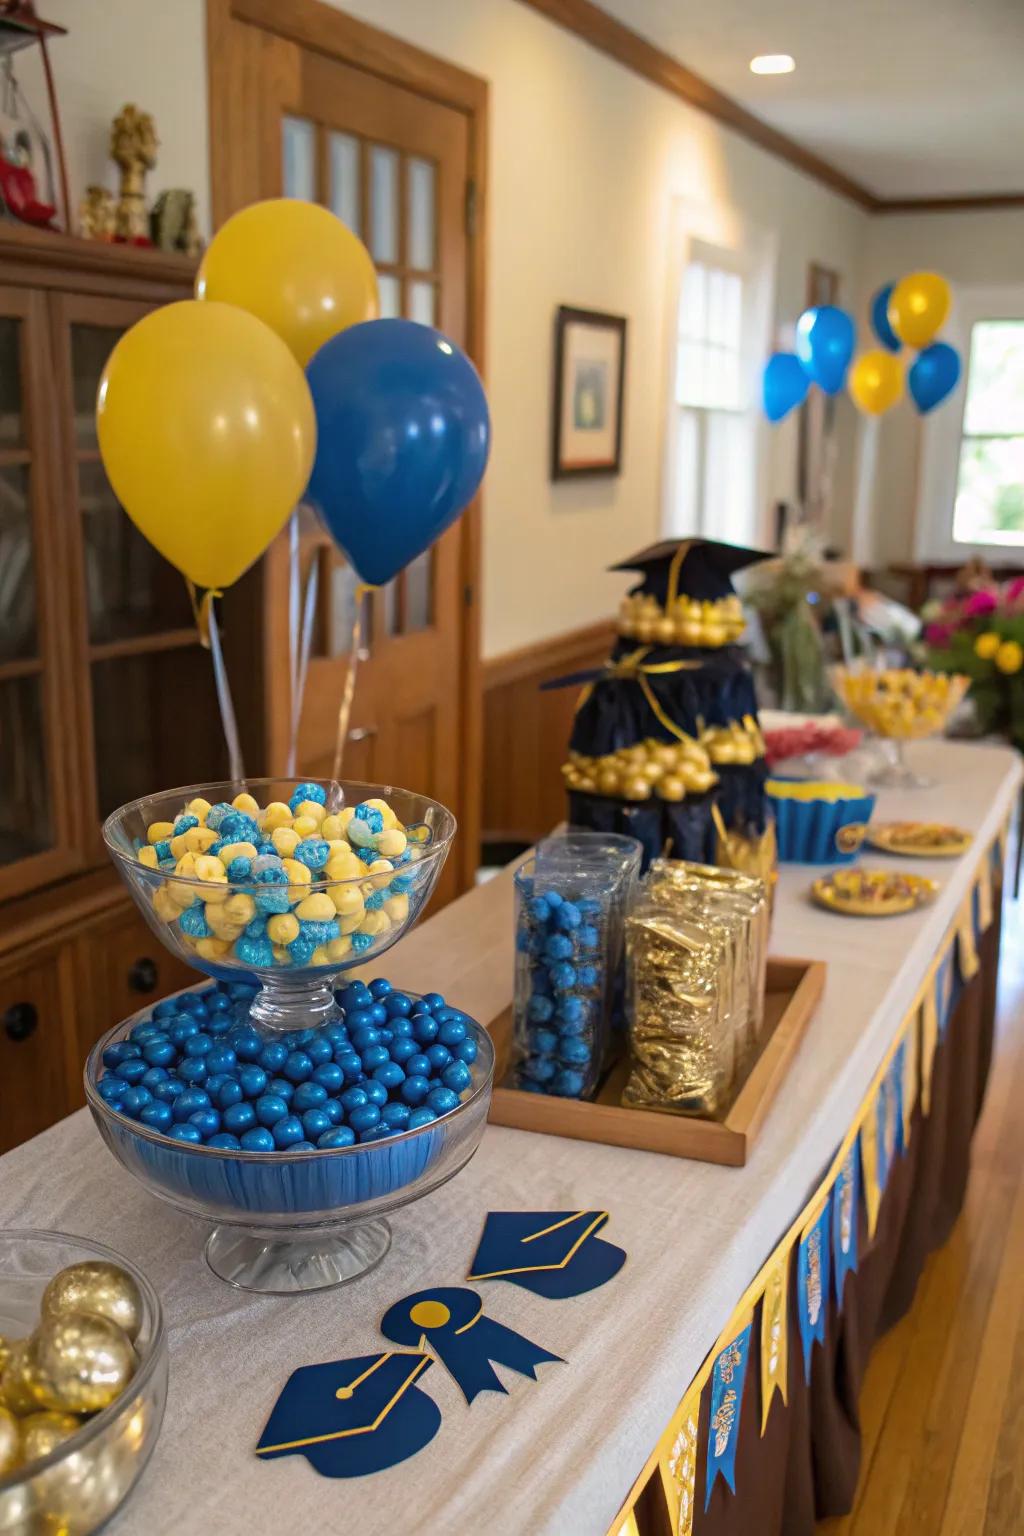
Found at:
(451, 1320)
(551, 1253)
(703, 568)
(351, 1417)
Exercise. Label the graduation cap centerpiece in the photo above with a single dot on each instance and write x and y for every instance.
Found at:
(685, 596)
(666, 745)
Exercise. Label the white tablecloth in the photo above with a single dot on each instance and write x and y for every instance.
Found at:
(559, 1455)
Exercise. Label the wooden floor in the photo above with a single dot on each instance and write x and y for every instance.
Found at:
(942, 1409)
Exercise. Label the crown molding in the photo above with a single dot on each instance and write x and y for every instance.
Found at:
(619, 42)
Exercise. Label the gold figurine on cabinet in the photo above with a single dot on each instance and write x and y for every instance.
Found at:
(133, 147)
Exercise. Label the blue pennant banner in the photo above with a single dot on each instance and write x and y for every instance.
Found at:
(889, 1118)
(450, 1320)
(845, 1216)
(727, 1379)
(812, 1280)
(551, 1253)
(350, 1417)
(944, 989)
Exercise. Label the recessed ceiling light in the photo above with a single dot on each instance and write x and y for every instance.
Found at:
(773, 64)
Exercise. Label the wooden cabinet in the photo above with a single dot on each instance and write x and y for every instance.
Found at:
(34, 999)
(121, 966)
(105, 692)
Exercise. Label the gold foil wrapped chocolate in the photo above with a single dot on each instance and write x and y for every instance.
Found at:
(739, 903)
(680, 978)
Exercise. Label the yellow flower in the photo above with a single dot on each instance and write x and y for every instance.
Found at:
(986, 645)
(1010, 657)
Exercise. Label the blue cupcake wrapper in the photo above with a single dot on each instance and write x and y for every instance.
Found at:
(821, 831)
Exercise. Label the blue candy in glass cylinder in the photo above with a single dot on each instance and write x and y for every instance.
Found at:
(570, 905)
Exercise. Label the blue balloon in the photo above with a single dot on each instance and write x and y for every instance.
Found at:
(934, 375)
(880, 318)
(403, 434)
(825, 338)
(784, 385)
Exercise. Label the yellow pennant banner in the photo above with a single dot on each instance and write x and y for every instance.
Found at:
(677, 1460)
(774, 1330)
(969, 962)
(909, 1094)
(869, 1162)
(629, 1526)
(985, 895)
(929, 1040)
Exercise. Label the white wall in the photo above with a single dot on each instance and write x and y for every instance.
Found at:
(586, 163)
(984, 249)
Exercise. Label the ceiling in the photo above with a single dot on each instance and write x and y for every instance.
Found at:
(910, 98)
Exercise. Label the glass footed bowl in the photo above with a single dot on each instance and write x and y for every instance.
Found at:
(899, 705)
(296, 1221)
(79, 1485)
(205, 922)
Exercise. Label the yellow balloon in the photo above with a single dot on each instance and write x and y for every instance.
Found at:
(918, 306)
(876, 381)
(296, 267)
(207, 433)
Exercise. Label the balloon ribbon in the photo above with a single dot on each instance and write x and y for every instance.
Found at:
(209, 638)
(348, 692)
(304, 647)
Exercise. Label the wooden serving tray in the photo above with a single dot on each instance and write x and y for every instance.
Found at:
(794, 989)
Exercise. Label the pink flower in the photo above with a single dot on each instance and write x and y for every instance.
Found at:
(1015, 590)
(938, 634)
(980, 603)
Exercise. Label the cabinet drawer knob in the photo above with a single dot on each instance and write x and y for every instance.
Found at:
(20, 1021)
(143, 975)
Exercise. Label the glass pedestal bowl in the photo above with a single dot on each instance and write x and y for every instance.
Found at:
(899, 705)
(296, 1221)
(77, 1488)
(226, 926)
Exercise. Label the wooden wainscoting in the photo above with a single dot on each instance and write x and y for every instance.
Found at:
(526, 732)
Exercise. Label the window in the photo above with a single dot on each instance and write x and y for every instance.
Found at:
(989, 506)
(711, 447)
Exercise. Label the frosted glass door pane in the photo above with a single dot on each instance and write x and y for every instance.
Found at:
(344, 193)
(418, 584)
(390, 290)
(298, 158)
(421, 215)
(17, 582)
(421, 303)
(384, 204)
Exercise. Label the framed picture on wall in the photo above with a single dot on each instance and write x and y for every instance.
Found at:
(590, 378)
(816, 458)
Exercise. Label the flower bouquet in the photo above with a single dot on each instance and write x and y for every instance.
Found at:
(981, 634)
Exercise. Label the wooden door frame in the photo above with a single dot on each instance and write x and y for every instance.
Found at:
(315, 25)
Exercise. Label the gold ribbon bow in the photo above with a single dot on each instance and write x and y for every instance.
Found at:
(632, 667)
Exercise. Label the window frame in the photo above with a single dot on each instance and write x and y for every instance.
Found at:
(942, 437)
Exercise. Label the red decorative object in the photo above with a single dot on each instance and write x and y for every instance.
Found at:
(20, 27)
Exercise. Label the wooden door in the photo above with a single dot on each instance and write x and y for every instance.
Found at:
(396, 163)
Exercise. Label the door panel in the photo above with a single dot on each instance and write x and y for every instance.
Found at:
(397, 164)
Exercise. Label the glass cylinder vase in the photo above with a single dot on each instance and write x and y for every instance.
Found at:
(571, 902)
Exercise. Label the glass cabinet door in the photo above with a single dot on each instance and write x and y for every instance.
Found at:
(152, 717)
(36, 815)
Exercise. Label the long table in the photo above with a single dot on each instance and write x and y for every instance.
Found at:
(559, 1455)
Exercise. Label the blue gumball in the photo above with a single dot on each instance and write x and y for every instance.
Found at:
(403, 436)
(784, 385)
(880, 318)
(934, 375)
(825, 339)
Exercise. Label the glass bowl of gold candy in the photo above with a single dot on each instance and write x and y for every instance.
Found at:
(83, 1382)
(283, 883)
(900, 705)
